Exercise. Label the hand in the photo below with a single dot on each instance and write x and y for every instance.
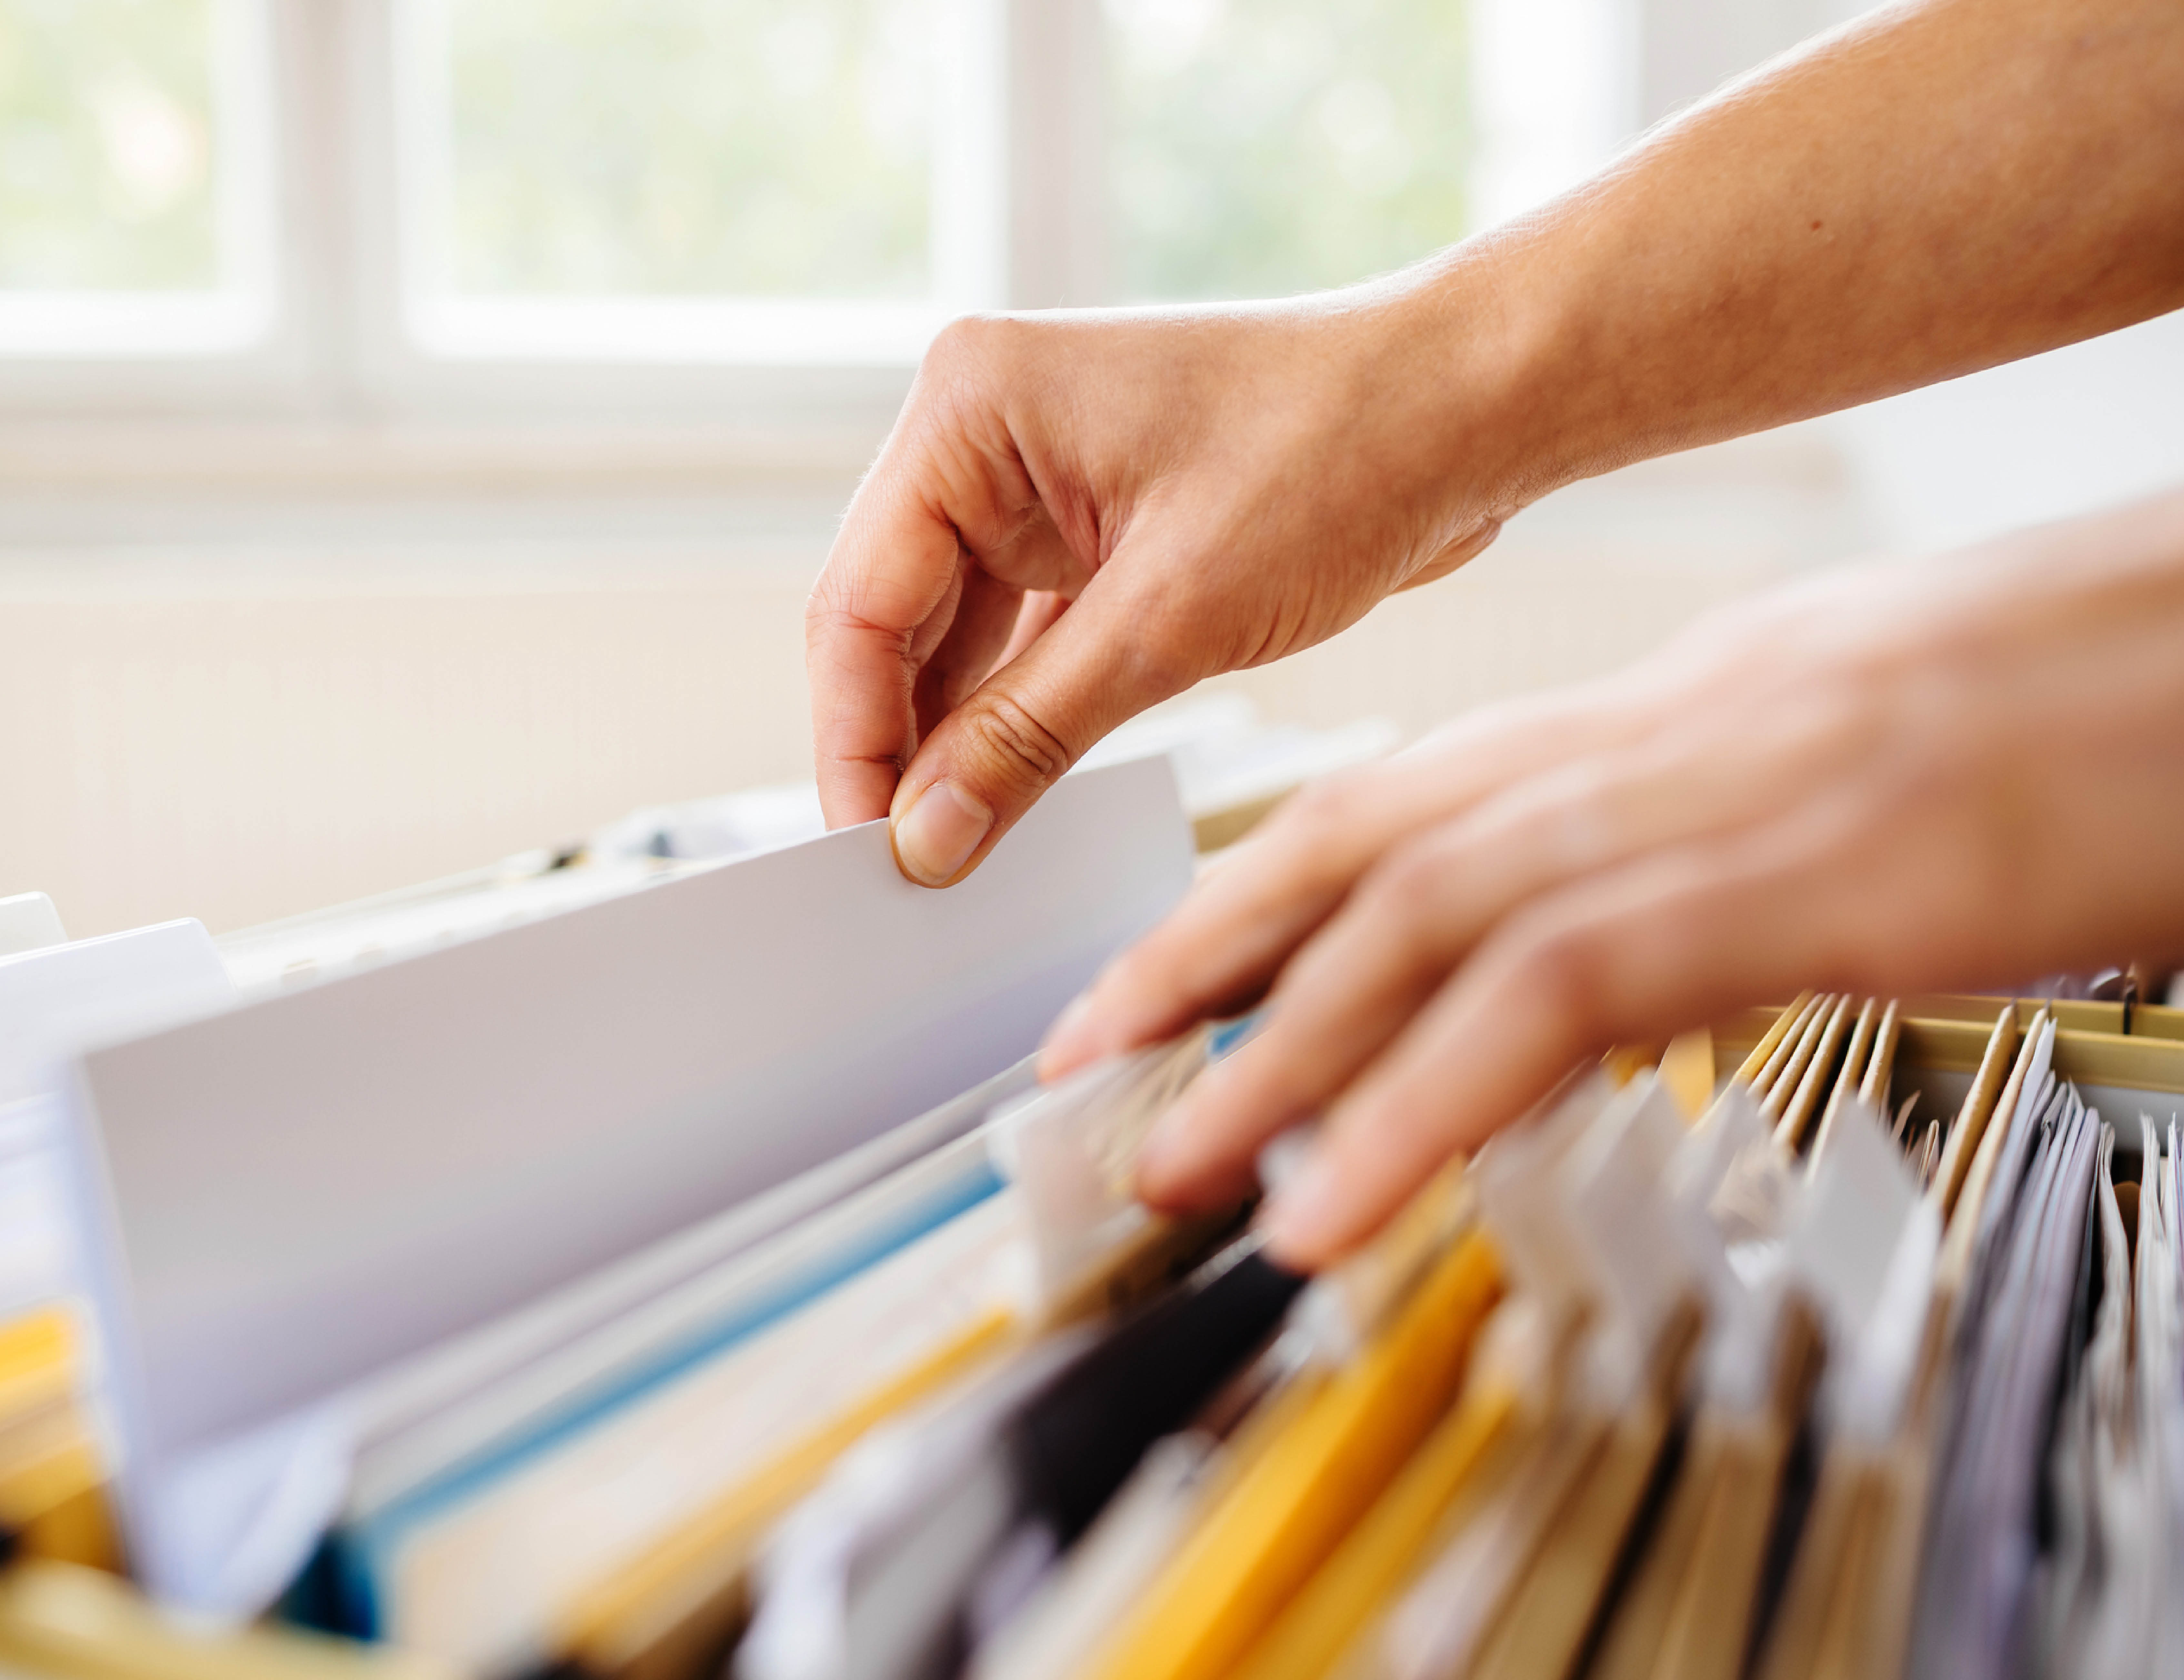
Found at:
(1950, 775)
(1935, 187)
(1079, 516)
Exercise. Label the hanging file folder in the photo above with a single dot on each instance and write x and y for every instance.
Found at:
(295, 1195)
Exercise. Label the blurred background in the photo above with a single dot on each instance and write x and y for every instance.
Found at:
(420, 420)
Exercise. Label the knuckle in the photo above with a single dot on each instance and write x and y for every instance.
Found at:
(1567, 820)
(1563, 971)
(973, 344)
(1322, 809)
(1412, 882)
(1406, 900)
(822, 607)
(958, 341)
(1011, 745)
(1311, 844)
(1166, 647)
(828, 613)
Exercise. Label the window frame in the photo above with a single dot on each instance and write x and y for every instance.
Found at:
(346, 328)
(342, 342)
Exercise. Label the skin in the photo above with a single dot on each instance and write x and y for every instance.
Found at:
(1900, 779)
(1080, 515)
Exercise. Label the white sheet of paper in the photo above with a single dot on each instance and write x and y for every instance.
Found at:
(417, 1397)
(29, 922)
(1859, 1205)
(54, 998)
(304, 1189)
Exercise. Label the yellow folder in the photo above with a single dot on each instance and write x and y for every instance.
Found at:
(1289, 1511)
(62, 1620)
(1465, 1451)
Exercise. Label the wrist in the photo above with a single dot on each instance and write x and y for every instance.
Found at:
(1461, 351)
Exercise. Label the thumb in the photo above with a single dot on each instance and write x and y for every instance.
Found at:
(989, 760)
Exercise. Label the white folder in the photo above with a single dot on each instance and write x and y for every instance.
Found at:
(300, 1193)
(53, 1000)
(28, 922)
(57, 998)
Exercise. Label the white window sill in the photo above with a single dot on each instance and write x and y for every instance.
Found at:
(116, 325)
(670, 331)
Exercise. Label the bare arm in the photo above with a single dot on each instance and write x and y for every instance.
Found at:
(1934, 189)
(1938, 187)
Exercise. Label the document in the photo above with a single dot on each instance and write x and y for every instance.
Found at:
(28, 922)
(296, 1194)
(56, 997)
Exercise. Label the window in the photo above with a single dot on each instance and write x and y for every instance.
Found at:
(750, 149)
(1263, 147)
(747, 179)
(133, 198)
(399, 202)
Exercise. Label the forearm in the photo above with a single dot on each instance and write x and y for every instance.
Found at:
(1936, 189)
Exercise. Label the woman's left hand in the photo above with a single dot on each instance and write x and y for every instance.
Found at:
(1956, 774)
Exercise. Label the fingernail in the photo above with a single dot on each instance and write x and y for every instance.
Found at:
(937, 835)
(1300, 1214)
(1162, 1154)
(1067, 1024)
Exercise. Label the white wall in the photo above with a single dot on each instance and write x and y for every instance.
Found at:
(2063, 433)
(243, 675)
(268, 717)
(2059, 434)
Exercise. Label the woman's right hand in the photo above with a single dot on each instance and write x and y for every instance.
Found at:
(1080, 515)
(1935, 187)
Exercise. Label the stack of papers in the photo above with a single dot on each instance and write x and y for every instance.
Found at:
(696, 1283)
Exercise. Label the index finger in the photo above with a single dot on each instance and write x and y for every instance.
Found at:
(890, 575)
(1225, 942)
